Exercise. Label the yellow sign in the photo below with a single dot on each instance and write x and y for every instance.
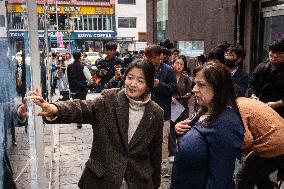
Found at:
(63, 9)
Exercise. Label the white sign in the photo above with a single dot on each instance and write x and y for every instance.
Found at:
(191, 48)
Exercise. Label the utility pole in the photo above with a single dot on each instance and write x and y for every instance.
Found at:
(38, 174)
(56, 14)
(47, 63)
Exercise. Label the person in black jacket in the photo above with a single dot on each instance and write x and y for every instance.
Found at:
(77, 80)
(266, 82)
(165, 83)
(233, 60)
(109, 62)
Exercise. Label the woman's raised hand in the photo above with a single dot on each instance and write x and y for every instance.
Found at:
(182, 126)
(48, 110)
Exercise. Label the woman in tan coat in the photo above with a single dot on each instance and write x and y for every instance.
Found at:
(127, 132)
(263, 144)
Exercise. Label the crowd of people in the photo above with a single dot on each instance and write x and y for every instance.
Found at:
(236, 117)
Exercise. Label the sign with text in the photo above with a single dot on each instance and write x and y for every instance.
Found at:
(65, 35)
(93, 35)
(63, 9)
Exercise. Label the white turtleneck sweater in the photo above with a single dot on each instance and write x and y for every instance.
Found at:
(136, 111)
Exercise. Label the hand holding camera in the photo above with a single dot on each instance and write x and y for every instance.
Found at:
(117, 73)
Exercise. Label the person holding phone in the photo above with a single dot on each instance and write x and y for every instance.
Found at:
(208, 149)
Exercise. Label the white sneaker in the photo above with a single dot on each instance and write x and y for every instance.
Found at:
(171, 159)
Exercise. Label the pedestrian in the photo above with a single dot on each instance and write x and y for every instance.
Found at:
(266, 82)
(263, 148)
(234, 58)
(108, 63)
(127, 132)
(174, 54)
(182, 96)
(208, 150)
(78, 77)
(165, 85)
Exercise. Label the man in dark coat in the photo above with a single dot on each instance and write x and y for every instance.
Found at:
(165, 83)
(267, 83)
(77, 79)
(233, 60)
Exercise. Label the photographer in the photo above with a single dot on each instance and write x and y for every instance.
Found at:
(109, 62)
(116, 81)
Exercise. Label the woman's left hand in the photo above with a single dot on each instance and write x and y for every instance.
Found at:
(182, 126)
(22, 113)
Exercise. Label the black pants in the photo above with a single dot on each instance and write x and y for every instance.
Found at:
(255, 171)
(8, 181)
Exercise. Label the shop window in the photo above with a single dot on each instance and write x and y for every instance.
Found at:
(100, 26)
(2, 21)
(90, 20)
(142, 37)
(40, 21)
(191, 48)
(95, 18)
(16, 21)
(85, 22)
(132, 2)
(108, 23)
(127, 22)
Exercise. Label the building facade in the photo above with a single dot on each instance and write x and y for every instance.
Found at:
(196, 27)
(84, 25)
(3, 19)
(130, 17)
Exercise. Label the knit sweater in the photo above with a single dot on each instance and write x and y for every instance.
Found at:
(264, 128)
(136, 111)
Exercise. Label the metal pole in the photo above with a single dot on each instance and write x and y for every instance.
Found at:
(48, 71)
(35, 72)
(56, 15)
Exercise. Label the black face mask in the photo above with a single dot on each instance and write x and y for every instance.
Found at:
(230, 63)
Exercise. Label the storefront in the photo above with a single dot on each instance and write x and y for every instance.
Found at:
(83, 27)
(80, 40)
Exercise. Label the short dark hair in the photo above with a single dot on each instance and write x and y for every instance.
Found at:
(239, 50)
(224, 45)
(175, 50)
(166, 51)
(201, 58)
(147, 68)
(111, 46)
(219, 78)
(152, 50)
(277, 46)
(77, 56)
(216, 53)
